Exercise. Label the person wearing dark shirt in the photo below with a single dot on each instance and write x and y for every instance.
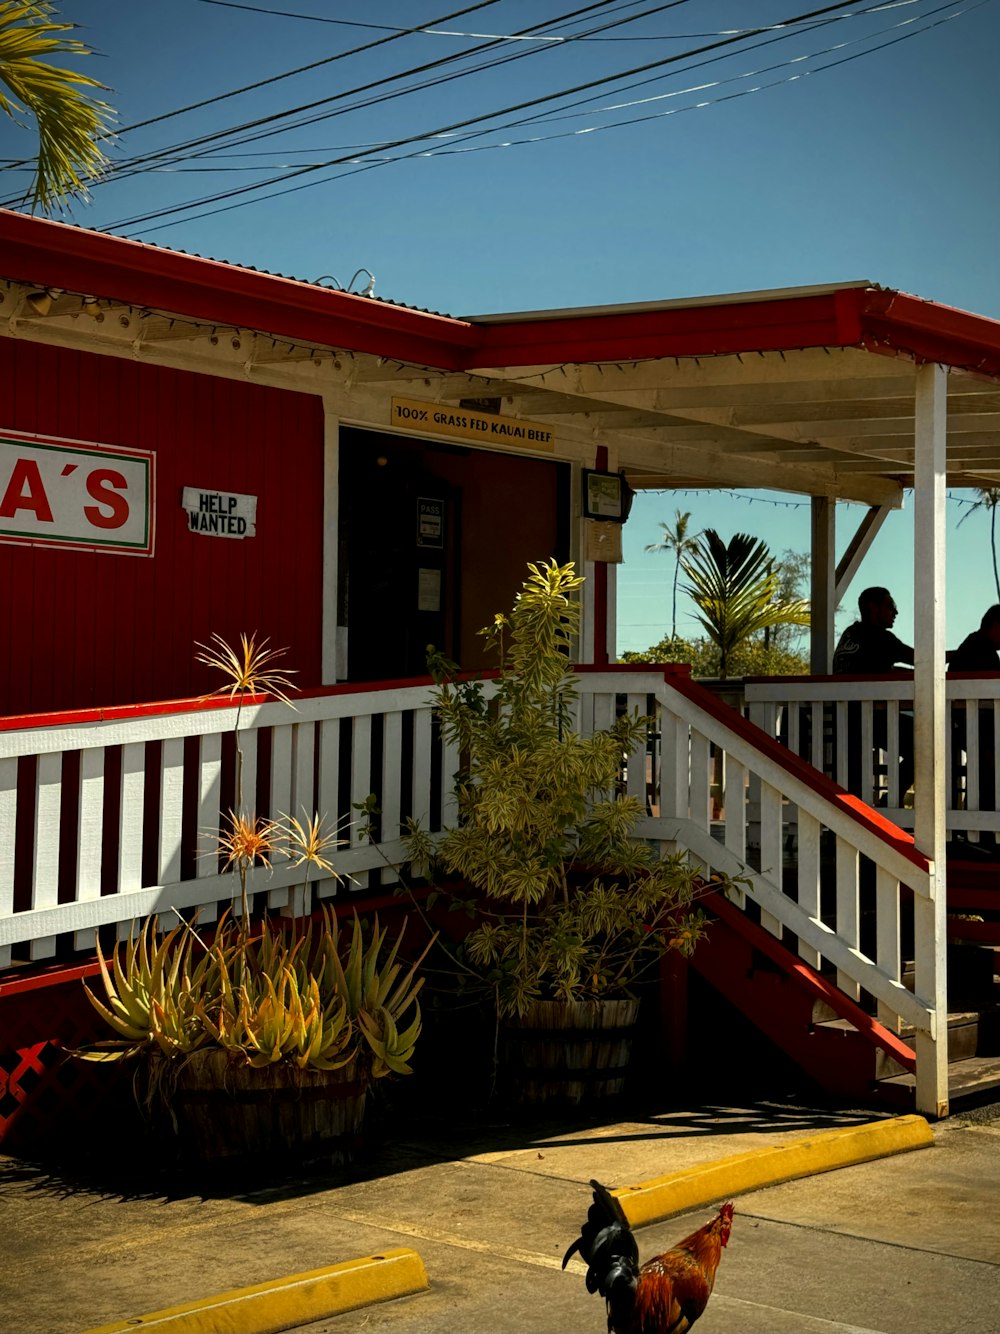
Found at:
(978, 652)
(869, 648)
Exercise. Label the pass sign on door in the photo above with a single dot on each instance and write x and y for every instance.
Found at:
(430, 522)
(73, 494)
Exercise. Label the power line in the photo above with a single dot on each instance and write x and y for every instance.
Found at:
(462, 124)
(495, 36)
(142, 163)
(276, 78)
(368, 166)
(566, 114)
(716, 101)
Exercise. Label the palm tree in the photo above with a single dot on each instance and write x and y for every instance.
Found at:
(69, 119)
(989, 499)
(735, 587)
(675, 539)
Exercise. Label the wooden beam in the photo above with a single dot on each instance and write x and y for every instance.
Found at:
(857, 549)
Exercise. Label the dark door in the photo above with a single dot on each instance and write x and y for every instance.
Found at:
(398, 558)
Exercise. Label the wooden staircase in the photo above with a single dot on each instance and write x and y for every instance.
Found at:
(836, 1041)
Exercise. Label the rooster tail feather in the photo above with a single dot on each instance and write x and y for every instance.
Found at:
(611, 1204)
(608, 1247)
(574, 1247)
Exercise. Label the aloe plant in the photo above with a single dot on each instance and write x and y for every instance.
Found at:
(153, 992)
(262, 997)
(377, 997)
(261, 993)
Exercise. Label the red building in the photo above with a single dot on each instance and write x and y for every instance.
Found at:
(190, 448)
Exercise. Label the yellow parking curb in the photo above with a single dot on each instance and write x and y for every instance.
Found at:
(286, 1302)
(725, 1177)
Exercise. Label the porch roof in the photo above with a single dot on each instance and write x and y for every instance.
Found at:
(807, 389)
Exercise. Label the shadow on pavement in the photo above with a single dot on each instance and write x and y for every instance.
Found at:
(148, 1165)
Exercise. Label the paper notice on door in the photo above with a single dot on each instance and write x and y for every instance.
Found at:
(428, 590)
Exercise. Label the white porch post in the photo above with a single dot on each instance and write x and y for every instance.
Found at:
(822, 580)
(333, 664)
(930, 778)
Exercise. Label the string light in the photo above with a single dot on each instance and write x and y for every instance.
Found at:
(766, 500)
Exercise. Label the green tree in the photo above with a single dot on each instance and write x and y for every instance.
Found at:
(735, 588)
(676, 539)
(751, 658)
(793, 570)
(989, 499)
(69, 120)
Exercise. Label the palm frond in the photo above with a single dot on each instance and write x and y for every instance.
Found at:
(69, 119)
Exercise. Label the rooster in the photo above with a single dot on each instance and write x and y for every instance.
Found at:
(668, 1293)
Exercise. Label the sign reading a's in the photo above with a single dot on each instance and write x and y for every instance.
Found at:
(74, 494)
(414, 414)
(220, 513)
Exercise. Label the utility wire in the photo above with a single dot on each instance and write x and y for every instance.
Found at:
(566, 134)
(436, 82)
(141, 163)
(276, 78)
(463, 124)
(559, 19)
(566, 113)
(500, 37)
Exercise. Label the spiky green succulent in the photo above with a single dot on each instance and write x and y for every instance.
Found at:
(263, 996)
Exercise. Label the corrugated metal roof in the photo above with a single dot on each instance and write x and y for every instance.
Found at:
(246, 268)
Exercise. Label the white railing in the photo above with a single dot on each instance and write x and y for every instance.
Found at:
(106, 819)
(844, 896)
(855, 731)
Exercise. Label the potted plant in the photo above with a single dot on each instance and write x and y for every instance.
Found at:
(260, 1037)
(570, 908)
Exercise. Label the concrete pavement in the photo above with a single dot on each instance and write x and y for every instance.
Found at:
(910, 1242)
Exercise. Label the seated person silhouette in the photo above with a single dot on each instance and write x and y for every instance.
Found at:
(979, 653)
(869, 648)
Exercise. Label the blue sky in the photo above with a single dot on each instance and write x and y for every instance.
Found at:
(885, 166)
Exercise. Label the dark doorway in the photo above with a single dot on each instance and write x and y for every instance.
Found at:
(400, 539)
(434, 540)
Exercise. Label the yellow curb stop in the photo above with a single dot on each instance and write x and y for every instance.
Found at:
(722, 1178)
(286, 1302)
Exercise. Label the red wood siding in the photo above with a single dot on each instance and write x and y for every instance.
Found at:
(96, 628)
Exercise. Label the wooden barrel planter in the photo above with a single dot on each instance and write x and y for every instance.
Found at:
(227, 1110)
(569, 1052)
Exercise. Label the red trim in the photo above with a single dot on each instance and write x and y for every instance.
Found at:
(55, 254)
(53, 976)
(853, 806)
(808, 977)
(156, 708)
(930, 332)
(775, 324)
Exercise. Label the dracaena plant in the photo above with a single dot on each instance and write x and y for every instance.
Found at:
(568, 902)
